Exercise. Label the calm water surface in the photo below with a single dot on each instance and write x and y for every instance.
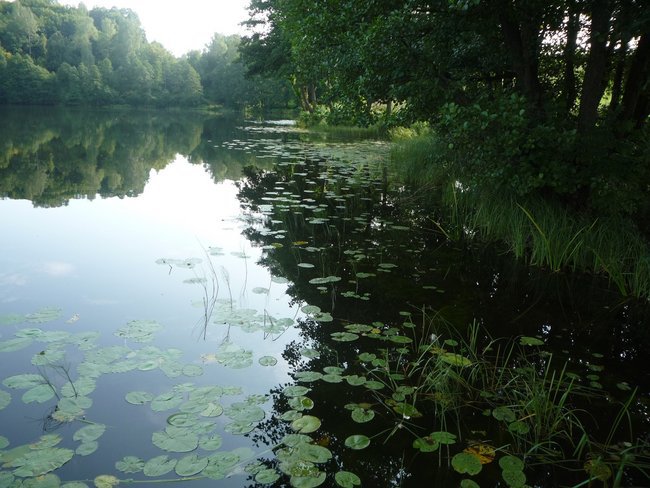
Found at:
(157, 263)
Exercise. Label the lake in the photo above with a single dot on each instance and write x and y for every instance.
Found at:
(192, 298)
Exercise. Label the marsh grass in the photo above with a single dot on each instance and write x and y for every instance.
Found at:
(541, 232)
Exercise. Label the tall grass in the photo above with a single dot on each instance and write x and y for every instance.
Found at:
(543, 233)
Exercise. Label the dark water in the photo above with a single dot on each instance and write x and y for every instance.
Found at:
(167, 253)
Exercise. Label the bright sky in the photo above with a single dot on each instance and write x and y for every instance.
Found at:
(180, 26)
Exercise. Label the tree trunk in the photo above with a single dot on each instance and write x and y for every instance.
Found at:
(573, 27)
(522, 43)
(593, 84)
(635, 101)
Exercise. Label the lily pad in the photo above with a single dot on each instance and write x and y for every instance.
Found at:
(267, 361)
(307, 481)
(15, 344)
(138, 397)
(86, 448)
(306, 424)
(89, 433)
(159, 466)
(466, 463)
(511, 463)
(41, 461)
(38, 394)
(361, 415)
(5, 399)
(295, 390)
(530, 341)
(190, 465)
(175, 439)
(346, 479)
(426, 444)
(106, 481)
(130, 464)
(455, 359)
(357, 442)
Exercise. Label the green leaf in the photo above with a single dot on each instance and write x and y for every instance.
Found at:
(106, 481)
(426, 444)
(357, 441)
(191, 465)
(443, 437)
(344, 336)
(361, 415)
(23, 381)
(267, 476)
(306, 424)
(175, 439)
(211, 443)
(15, 344)
(346, 479)
(4, 442)
(130, 464)
(313, 453)
(159, 466)
(267, 361)
(295, 391)
(514, 478)
(519, 427)
(5, 399)
(41, 461)
(467, 483)
(455, 359)
(504, 413)
(530, 341)
(511, 463)
(138, 397)
(38, 394)
(86, 448)
(166, 401)
(89, 433)
(464, 462)
(307, 481)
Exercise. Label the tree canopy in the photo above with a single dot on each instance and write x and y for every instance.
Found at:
(536, 95)
(55, 54)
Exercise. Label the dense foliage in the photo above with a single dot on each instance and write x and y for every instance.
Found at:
(536, 96)
(54, 54)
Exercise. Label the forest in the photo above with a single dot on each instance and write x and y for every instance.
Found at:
(54, 54)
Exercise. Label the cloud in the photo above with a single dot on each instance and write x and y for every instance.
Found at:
(58, 268)
(14, 279)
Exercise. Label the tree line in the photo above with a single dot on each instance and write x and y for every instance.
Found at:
(55, 54)
(543, 96)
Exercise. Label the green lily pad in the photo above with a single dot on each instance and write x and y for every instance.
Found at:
(514, 478)
(511, 463)
(86, 448)
(15, 344)
(295, 390)
(43, 315)
(166, 401)
(306, 424)
(464, 462)
(355, 380)
(23, 381)
(41, 461)
(159, 466)
(89, 433)
(344, 336)
(175, 439)
(308, 376)
(467, 483)
(138, 397)
(4, 442)
(190, 465)
(5, 399)
(426, 444)
(106, 481)
(267, 361)
(307, 481)
(519, 427)
(130, 464)
(443, 437)
(346, 479)
(38, 394)
(504, 413)
(455, 359)
(313, 453)
(357, 441)
(530, 341)
(361, 415)
(211, 443)
(192, 370)
(267, 476)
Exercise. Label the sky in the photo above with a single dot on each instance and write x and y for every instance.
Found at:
(180, 26)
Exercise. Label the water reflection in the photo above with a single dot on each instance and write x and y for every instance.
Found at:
(327, 262)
